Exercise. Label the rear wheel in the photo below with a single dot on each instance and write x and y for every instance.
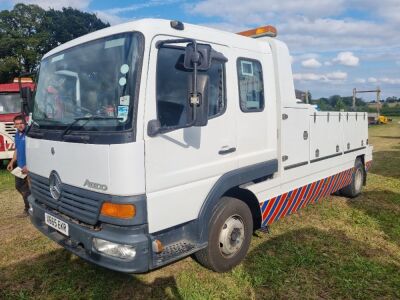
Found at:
(230, 232)
(355, 187)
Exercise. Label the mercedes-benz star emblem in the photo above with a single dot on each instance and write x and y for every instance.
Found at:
(55, 185)
(52, 151)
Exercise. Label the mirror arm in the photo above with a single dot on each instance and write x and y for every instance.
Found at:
(159, 44)
(195, 97)
(218, 56)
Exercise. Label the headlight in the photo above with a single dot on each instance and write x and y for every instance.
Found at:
(114, 249)
(30, 210)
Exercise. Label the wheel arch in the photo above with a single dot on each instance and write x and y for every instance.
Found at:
(252, 202)
(362, 158)
(229, 185)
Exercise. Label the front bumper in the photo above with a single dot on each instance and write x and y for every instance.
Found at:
(80, 239)
(6, 155)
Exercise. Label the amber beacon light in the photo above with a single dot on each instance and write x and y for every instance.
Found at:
(260, 32)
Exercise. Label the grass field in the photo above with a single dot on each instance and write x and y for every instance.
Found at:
(338, 248)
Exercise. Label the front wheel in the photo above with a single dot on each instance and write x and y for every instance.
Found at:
(355, 187)
(230, 231)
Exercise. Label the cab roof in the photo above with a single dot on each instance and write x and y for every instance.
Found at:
(153, 27)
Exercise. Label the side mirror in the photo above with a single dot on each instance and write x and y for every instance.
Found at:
(200, 111)
(153, 128)
(201, 57)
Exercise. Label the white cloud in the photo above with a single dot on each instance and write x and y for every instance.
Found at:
(306, 25)
(333, 77)
(326, 34)
(311, 63)
(338, 75)
(140, 5)
(113, 15)
(390, 80)
(328, 63)
(308, 77)
(255, 11)
(381, 80)
(305, 56)
(387, 9)
(347, 59)
(58, 4)
(113, 19)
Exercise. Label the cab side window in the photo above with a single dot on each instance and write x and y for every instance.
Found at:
(173, 79)
(251, 88)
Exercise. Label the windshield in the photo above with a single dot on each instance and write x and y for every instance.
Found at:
(93, 79)
(10, 103)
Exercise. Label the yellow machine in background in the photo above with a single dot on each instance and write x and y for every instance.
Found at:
(383, 120)
(375, 119)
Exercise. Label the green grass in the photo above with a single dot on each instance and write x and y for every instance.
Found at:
(6, 180)
(338, 248)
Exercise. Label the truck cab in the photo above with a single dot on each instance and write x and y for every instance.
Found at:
(153, 140)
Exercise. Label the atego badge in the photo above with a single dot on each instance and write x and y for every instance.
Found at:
(94, 185)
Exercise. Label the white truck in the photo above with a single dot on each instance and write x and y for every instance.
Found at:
(154, 140)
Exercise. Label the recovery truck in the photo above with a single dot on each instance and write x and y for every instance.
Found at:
(10, 106)
(154, 140)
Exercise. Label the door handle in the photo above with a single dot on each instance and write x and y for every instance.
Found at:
(224, 150)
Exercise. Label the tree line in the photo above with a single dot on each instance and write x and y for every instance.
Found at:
(27, 32)
(338, 103)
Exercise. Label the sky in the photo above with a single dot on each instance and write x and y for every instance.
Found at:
(336, 45)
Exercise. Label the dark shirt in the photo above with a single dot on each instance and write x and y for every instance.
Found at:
(20, 148)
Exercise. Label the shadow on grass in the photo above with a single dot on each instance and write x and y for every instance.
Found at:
(3, 164)
(61, 275)
(311, 263)
(386, 163)
(384, 208)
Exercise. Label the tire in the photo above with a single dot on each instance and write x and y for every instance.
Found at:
(355, 187)
(230, 232)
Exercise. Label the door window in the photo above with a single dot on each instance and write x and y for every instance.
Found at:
(251, 88)
(172, 88)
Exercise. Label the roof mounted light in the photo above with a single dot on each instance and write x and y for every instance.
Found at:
(260, 32)
(178, 25)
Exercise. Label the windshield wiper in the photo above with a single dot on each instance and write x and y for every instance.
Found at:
(33, 123)
(87, 119)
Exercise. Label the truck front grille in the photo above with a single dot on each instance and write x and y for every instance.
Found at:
(74, 202)
(9, 127)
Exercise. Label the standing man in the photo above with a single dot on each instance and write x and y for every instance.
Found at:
(21, 185)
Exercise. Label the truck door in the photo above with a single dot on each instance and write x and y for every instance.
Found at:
(256, 114)
(183, 164)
